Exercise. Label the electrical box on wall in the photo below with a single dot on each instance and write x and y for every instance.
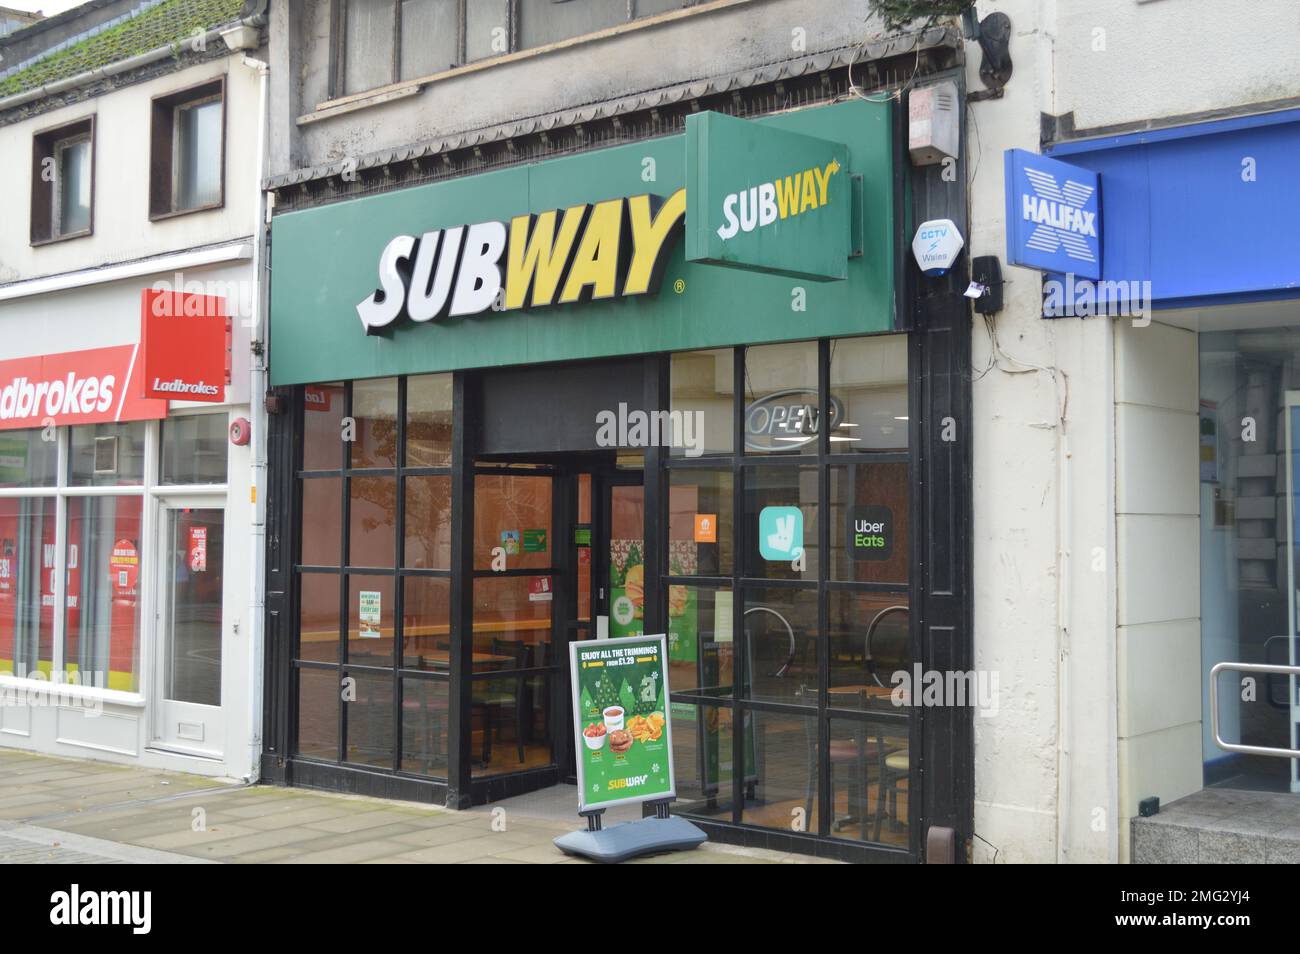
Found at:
(933, 124)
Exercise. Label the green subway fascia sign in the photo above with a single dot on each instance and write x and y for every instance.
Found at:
(599, 254)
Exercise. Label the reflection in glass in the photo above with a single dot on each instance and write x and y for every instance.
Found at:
(28, 460)
(322, 507)
(428, 420)
(75, 177)
(102, 624)
(319, 695)
(699, 522)
(426, 623)
(322, 426)
(198, 154)
(318, 632)
(513, 512)
(372, 518)
(869, 380)
(428, 523)
(103, 455)
(702, 384)
(702, 759)
(512, 622)
(370, 719)
(374, 408)
(194, 449)
(192, 629)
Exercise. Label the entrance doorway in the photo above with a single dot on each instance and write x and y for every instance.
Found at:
(559, 556)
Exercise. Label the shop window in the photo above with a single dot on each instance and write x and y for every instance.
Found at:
(372, 521)
(512, 512)
(29, 458)
(63, 182)
(780, 765)
(426, 623)
(703, 759)
(106, 455)
(187, 150)
(194, 449)
(428, 420)
(510, 719)
(870, 533)
(703, 400)
(869, 765)
(700, 641)
(869, 643)
(102, 622)
(780, 628)
(428, 522)
(319, 698)
(322, 539)
(27, 576)
(323, 407)
(370, 719)
(869, 394)
(318, 630)
(371, 629)
(781, 532)
(425, 717)
(700, 522)
(374, 411)
(512, 627)
(781, 399)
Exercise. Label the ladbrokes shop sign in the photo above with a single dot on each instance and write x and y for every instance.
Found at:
(736, 231)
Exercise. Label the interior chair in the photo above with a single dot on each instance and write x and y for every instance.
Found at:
(889, 643)
(493, 694)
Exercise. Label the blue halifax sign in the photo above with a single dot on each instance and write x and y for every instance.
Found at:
(1053, 215)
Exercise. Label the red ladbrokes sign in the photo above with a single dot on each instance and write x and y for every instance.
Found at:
(76, 387)
(185, 351)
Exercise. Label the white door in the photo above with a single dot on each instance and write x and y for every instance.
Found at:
(190, 626)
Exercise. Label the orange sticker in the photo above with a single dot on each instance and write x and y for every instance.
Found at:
(706, 528)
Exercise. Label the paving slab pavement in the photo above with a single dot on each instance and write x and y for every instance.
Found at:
(68, 811)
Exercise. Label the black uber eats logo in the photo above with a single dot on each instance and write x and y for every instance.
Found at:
(871, 532)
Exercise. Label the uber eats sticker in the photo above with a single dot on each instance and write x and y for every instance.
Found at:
(620, 705)
(871, 532)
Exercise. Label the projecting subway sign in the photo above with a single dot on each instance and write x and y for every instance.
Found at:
(766, 199)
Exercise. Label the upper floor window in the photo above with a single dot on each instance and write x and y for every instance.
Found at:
(377, 42)
(187, 154)
(63, 181)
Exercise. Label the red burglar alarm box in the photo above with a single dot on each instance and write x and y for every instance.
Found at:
(184, 346)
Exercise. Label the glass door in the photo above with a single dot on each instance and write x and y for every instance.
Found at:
(620, 586)
(1287, 653)
(191, 634)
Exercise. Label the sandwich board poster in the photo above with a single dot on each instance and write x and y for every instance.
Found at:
(620, 705)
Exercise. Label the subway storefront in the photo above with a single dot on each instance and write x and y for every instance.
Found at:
(688, 385)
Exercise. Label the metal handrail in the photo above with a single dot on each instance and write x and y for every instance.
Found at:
(1265, 668)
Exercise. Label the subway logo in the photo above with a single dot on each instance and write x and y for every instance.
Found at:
(782, 198)
(610, 249)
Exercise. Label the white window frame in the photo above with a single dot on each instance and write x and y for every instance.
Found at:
(57, 231)
(177, 110)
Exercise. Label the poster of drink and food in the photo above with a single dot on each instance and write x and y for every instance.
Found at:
(620, 704)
